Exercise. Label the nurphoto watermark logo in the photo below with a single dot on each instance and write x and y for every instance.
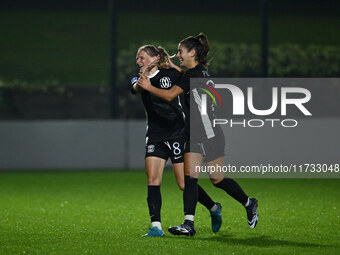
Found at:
(265, 127)
(243, 98)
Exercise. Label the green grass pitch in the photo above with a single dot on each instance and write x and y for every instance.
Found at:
(105, 212)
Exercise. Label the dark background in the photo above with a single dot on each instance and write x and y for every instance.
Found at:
(215, 6)
(55, 55)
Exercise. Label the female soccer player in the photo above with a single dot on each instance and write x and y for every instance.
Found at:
(204, 143)
(164, 136)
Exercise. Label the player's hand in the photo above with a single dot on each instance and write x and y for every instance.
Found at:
(152, 64)
(149, 67)
(171, 64)
(144, 82)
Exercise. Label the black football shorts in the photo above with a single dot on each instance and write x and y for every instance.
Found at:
(210, 149)
(173, 149)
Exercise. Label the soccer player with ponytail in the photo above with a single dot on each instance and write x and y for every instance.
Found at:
(200, 145)
(165, 134)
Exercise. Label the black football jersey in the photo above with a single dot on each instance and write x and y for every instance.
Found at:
(202, 128)
(165, 120)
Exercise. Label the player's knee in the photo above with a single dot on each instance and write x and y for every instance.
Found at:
(154, 181)
(181, 186)
(215, 181)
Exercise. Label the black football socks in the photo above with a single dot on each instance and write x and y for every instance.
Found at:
(190, 195)
(233, 189)
(155, 203)
(204, 198)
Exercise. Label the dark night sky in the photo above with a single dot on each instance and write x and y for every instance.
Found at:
(276, 6)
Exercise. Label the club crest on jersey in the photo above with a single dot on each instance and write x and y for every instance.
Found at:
(165, 82)
(151, 148)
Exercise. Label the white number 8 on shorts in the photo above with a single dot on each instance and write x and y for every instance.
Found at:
(176, 147)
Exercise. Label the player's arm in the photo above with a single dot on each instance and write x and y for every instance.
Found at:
(177, 68)
(135, 88)
(168, 95)
(172, 65)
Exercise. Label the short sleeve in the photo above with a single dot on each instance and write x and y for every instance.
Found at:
(175, 75)
(133, 81)
(184, 82)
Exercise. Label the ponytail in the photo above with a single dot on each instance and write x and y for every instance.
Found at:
(204, 41)
(163, 58)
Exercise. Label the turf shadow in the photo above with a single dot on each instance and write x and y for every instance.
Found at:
(258, 241)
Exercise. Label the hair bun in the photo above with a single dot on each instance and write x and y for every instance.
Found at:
(201, 37)
(203, 40)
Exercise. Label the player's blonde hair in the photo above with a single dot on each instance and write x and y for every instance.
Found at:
(159, 51)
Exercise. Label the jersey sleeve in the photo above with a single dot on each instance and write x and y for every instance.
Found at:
(175, 75)
(184, 82)
(133, 81)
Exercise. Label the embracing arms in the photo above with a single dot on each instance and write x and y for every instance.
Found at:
(169, 95)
